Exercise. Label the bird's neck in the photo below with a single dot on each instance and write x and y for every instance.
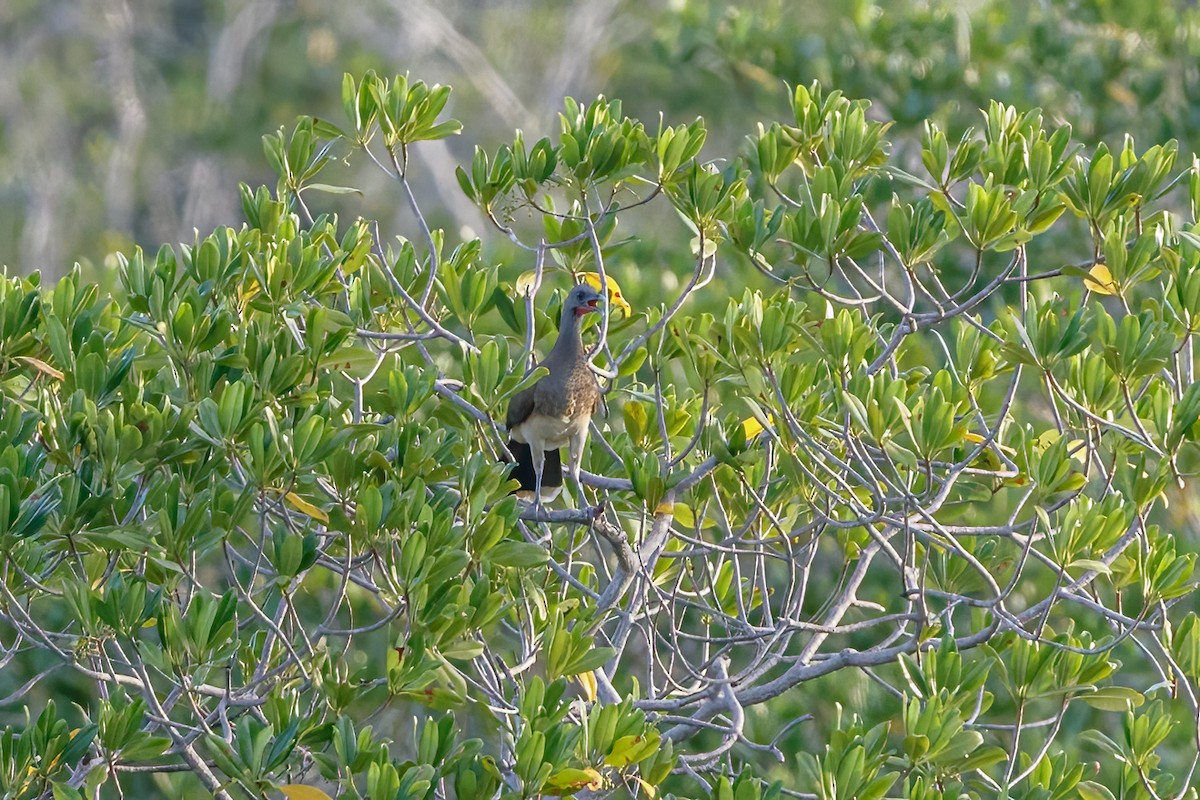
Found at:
(568, 346)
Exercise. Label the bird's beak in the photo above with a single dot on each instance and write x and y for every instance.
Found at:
(590, 307)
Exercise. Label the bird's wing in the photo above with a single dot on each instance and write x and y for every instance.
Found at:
(520, 407)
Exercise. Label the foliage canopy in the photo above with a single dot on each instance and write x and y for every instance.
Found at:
(255, 501)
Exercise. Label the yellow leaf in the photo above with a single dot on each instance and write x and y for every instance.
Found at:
(250, 292)
(753, 427)
(650, 791)
(632, 749)
(1046, 438)
(41, 366)
(524, 284)
(987, 460)
(572, 780)
(615, 297)
(682, 512)
(587, 680)
(665, 508)
(977, 438)
(1076, 448)
(1100, 280)
(300, 504)
(298, 791)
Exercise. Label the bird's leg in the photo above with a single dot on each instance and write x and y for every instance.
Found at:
(539, 461)
(574, 460)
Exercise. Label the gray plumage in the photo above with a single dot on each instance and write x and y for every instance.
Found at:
(556, 410)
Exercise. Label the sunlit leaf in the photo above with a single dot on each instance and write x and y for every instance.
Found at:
(300, 504)
(572, 780)
(1100, 280)
(524, 284)
(41, 366)
(298, 791)
(615, 297)
(587, 681)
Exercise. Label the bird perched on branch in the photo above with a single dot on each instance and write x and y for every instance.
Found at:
(556, 410)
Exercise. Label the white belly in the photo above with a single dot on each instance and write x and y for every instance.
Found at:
(549, 433)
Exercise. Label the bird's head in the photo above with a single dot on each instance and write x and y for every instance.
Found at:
(583, 299)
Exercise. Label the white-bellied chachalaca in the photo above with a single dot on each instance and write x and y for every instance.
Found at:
(556, 410)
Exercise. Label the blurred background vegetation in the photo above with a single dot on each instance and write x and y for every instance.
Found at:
(127, 123)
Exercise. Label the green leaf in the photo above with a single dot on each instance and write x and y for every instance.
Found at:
(1090, 790)
(1090, 565)
(982, 759)
(330, 189)
(593, 659)
(522, 555)
(1113, 698)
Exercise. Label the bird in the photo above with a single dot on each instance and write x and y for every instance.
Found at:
(555, 411)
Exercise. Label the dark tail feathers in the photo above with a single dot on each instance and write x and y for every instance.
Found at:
(523, 471)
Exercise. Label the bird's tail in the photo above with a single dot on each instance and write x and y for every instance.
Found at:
(524, 474)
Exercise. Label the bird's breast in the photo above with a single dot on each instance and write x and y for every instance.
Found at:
(546, 431)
